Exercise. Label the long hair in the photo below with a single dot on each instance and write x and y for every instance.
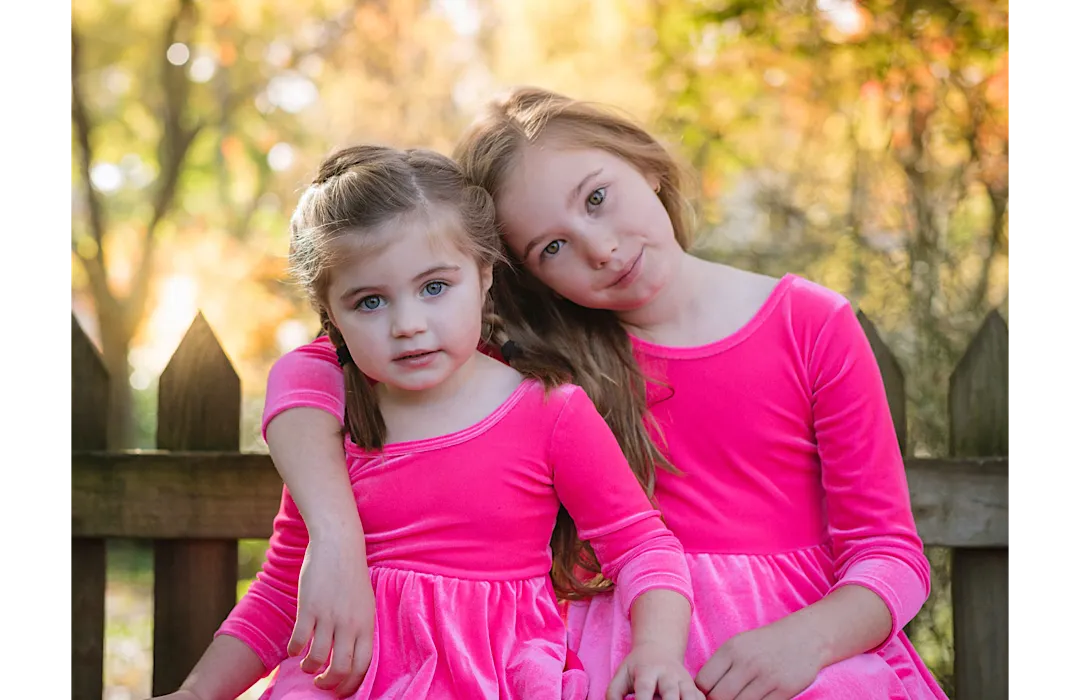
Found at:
(589, 342)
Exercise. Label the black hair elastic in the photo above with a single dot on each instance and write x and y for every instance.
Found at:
(343, 356)
(510, 350)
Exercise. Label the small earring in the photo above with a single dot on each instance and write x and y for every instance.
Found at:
(657, 188)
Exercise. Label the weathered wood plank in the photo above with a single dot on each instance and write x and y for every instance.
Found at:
(89, 413)
(893, 378)
(194, 580)
(230, 494)
(165, 495)
(979, 420)
(960, 503)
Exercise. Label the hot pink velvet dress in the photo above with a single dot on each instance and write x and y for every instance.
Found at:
(457, 530)
(792, 485)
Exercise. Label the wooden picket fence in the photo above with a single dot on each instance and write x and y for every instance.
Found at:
(197, 494)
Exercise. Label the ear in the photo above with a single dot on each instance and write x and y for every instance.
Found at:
(330, 314)
(487, 278)
(654, 182)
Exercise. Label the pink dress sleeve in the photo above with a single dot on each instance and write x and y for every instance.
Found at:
(311, 377)
(870, 523)
(308, 376)
(263, 619)
(598, 489)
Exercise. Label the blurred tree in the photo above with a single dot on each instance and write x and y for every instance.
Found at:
(864, 144)
(119, 316)
(854, 141)
(190, 147)
(151, 118)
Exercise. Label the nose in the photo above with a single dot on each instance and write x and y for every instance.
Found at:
(600, 248)
(408, 320)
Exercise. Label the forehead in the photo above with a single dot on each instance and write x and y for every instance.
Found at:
(535, 194)
(546, 166)
(408, 240)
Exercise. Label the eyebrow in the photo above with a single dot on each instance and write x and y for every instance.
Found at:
(574, 194)
(444, 267)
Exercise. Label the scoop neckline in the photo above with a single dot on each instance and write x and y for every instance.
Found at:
(454, 438)
(690, 352)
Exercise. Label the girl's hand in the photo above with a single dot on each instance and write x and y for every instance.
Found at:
(337, 604)
(651, 670)
(775, 662)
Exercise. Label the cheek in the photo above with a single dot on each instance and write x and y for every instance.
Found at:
(567, 279)
(353, 333)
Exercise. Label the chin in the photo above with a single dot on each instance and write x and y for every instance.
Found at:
(639, 299)
(423, 384)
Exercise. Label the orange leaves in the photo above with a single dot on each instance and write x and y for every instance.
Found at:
(233, 149)
(227, 53)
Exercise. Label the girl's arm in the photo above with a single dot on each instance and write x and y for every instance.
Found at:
(225, 670)
(882, 575)
(265, 616)
(877, 549)
(302, 425)
(635, 549)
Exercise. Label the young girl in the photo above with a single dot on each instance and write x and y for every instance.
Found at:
(759, 399)
(458, 464)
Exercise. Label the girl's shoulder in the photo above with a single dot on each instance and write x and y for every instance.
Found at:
(811, 297)
(557, 405)
(810, 305)
(798, 302)
(554, 399)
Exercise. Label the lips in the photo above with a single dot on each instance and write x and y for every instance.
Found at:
(413, 355)
(628, 270)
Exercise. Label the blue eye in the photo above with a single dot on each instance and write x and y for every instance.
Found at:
(596, 197)
(370, 303)
(434, 289)
(552, 248)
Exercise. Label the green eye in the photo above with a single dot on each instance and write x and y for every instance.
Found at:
(596, 197)
(553, 247)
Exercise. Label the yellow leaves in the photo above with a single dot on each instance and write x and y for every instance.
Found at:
(86, 247)
(872, 129)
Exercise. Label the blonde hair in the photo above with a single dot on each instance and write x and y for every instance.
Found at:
(362, 187)
(590, 343)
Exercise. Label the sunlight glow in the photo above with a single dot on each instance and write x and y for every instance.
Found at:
(292, 92)
(842, 14)
(202, 69)
(464, 15)
(291, 334)
(177, 297)
(178, 54)
(106, 177)
(280, 157)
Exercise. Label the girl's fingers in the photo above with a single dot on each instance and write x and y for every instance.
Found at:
(319, 652)
(301, 633)
(620, 685)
